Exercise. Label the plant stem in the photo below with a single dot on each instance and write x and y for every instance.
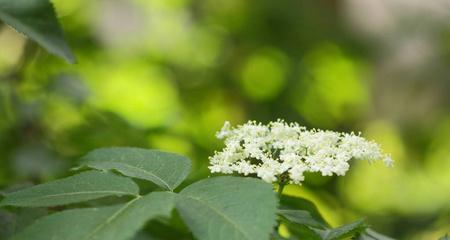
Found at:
(282, 181)
(280, 188)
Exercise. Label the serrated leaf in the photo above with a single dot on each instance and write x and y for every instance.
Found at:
(81, 187)
(228, 208)
(118, 222)
(165, 169)
(299, 231)
(343, 231)
(37, 20)
(370, 234)
(300, 217)
(298, 203)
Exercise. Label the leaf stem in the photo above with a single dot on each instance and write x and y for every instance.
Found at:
(280, 188)
(282, 182)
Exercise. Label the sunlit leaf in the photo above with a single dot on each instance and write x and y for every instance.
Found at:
(81, 187)
(117, 222)
(167, 170)
(37, 20)
(229, 208)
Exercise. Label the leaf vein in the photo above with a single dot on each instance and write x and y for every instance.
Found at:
(226, 218)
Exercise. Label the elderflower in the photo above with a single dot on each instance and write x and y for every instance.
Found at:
(289, 150)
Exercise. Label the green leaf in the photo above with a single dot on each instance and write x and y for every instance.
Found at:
(303, 232)
(81, 187)
(229, 208)
(26, 216)
(298, 203)
(344, 231)
(167, 170)
(370, 234)
(301, 217)
(37, 20)
(7, 221)
(118, 222)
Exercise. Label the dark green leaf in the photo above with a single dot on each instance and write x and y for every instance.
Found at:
(26, 216)
(298, 203)
(14, 221)
(37, 20)
(344, 231)
(229, 208)
(302, 231)
(370, 234)
(300, 217)
(7, 222)
(167, 170)
(81, 187)
(117, 222)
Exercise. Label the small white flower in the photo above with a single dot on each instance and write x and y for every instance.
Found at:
(276, 149)
(244, 167)
(296, 173)
(224, 131)
(266, 172)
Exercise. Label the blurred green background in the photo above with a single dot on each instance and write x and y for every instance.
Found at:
(167, 73)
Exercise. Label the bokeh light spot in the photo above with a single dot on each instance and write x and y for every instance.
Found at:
(139, 92)
(332, 87)
(171, 143)
(264, 75)
(10, 55)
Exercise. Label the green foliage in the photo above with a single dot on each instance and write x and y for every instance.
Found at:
(304, 227)
(216, 208)
(6, 224)
(114, 222)
(298, 203)
(15, 221)
(370, 234)
(344, 231)
(228, 208)
(304, 220)
(81, 187)
(167, 170)
(301, 217)
(37, 20)
(166, 74)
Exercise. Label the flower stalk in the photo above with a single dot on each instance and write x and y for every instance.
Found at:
(283, 180)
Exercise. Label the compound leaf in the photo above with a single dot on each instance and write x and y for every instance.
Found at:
(81, 187)
(229, 208)
(117, 222)
(167, 170)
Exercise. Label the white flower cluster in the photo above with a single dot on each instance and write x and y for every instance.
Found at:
(276, 149)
